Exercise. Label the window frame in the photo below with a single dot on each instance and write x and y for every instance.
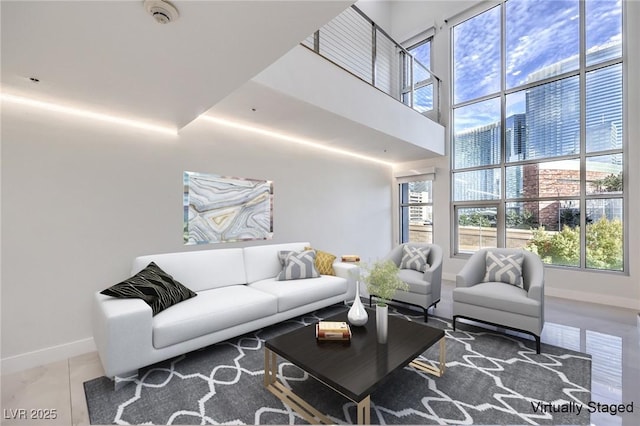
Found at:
(401, 205)
(407, 72)
(582, 156)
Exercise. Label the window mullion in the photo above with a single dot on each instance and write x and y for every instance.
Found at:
(583, 133)
(501, 219)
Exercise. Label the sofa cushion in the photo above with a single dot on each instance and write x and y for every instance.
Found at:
(498, 296)
(261, 262)
(415, 257)
(415, 281)
(298, 266)
(153, 285)
(200, 270)
(324, 261)
(504, 268)
(213, 310)
(294, 293)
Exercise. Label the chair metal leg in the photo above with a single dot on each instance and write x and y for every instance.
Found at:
(425, 315)
(535, 336)
(370, 297)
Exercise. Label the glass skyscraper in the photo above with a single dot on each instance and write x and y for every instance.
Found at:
(550, 125)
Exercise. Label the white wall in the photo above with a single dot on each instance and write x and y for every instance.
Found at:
(378, 10)
(608, 288)
(81, 199)
(409, 18)
(292, 73)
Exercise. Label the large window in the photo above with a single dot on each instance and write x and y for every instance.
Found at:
(417, 68)
(416, 212)
(537, 147)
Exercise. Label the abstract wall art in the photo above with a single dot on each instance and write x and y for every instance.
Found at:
(225, 209)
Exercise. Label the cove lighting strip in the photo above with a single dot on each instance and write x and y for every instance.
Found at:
(87, 114)
(294, 139)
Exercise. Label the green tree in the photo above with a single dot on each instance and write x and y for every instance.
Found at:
(524, 220)
(604, 244)
(611, 183)
(474, 219)
(556, 248)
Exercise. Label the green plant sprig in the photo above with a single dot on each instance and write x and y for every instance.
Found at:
(382, 280)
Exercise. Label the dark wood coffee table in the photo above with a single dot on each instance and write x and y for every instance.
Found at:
(354, 369)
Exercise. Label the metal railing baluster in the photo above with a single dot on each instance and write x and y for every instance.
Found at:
(406, 60)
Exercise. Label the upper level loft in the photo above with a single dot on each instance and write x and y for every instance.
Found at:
(357, 44)
(350, 86)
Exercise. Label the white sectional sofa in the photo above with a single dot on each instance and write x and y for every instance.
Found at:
(237, 292)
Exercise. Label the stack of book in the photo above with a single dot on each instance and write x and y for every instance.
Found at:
(350, 258)
(333, 330)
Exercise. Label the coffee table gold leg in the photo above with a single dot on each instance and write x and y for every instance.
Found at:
(438, 372)
(364, 411)
(287, 396)
(443, 355)
(270, 367)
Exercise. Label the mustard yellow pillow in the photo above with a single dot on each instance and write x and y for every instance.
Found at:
(324, 262)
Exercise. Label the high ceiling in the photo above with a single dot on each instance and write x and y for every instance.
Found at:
(111, 56)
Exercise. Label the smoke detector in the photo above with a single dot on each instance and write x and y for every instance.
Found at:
(162, 11)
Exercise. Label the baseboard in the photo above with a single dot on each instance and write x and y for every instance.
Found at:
(449, 276)
(16, 363)
(580, 296)
(598, 298)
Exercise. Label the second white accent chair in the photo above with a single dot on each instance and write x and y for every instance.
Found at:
(424, 287)
(482, 297)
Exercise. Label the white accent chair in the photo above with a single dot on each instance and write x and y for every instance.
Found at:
(424, 287)
(500, 304)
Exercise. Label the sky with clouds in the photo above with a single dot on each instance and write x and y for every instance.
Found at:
(539, 33)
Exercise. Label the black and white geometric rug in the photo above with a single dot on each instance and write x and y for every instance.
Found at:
(490, 378)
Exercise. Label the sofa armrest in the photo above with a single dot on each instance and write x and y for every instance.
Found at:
(473, 271)
(536, 291)
(395, 255)
(534, 277)
(433, 275)
(350, 271)
(122, 331)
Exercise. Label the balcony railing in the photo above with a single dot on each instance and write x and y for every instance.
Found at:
(357, 44)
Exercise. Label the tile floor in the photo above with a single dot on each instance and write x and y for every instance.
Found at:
(610, 335)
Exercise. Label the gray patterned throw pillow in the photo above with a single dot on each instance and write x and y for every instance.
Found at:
(415, 258)
(504, 268)
(298, 265)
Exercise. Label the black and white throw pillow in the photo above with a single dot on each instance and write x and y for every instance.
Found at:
(153, 285)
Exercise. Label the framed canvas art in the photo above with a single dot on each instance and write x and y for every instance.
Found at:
(221, 209)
